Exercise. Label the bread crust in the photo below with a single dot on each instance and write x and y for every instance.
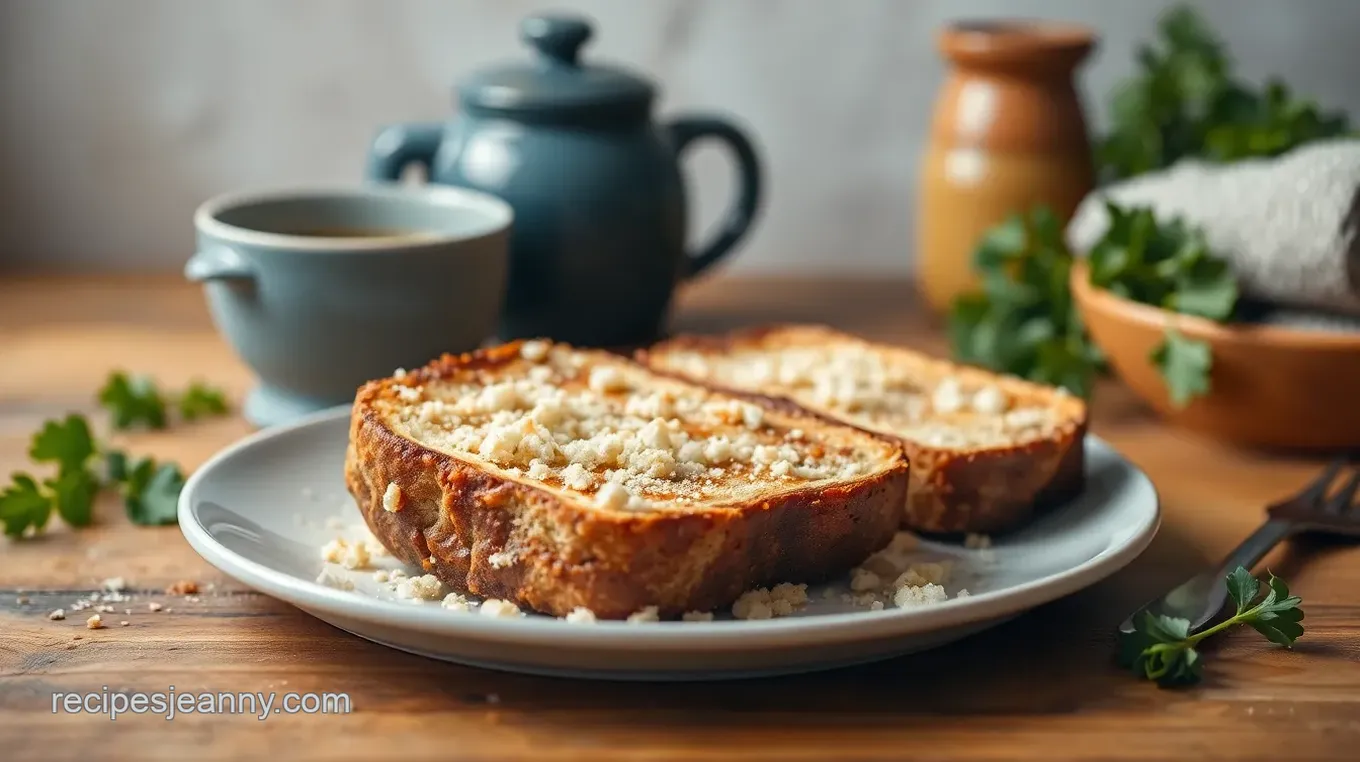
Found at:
(952, 490)
(455, 515)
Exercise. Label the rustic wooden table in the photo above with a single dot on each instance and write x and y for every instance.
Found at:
(1040, 687)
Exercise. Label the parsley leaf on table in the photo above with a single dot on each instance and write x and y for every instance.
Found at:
(1162, 648)
(23, 506)
(151, 492)
(67, 443)
(201, 400)
(133, 400)
(115, 466)
(73, 493)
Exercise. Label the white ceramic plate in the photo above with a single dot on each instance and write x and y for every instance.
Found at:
(261, 509)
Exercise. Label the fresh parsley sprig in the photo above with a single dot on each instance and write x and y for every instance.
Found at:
(1184, 101)
(202, 401)
(134, 400)
(27, 503)
(1023, 321)
(149, 490)
(1162, 648)
(1166, 264)
(23, 506)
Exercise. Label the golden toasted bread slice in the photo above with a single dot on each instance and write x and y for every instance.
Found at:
(560, 478)
(985, 449)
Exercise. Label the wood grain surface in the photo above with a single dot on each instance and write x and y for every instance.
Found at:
(1041, 687)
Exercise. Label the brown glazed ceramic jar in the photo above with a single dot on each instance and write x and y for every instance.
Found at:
(1007, 133)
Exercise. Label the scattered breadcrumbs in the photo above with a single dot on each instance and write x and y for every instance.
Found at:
(864, 579)
(893, 574)
(123, 623)
(56, 615)
(154, 606)
(648, 614)
(766, 603)
(351, 555)
(182, 587)
(495, 607)
(977, 541)
(426, 587)
(370, 541)
(456, 602)
(95, 622)
(910, 596)
(333, 579)
(581, 615)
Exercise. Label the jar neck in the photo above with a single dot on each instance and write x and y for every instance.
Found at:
(1035, 49)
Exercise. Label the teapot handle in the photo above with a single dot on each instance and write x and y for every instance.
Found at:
(737, 221)
(398, 146)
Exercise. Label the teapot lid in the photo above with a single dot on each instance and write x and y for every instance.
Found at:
(556, 86)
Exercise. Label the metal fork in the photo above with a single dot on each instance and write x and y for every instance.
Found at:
(1203, 596)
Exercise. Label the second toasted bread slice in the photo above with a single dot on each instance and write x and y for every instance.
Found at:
(561, 479)
(985, 449)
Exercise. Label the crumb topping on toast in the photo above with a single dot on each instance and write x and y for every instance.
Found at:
(933, 402)
(617, 433)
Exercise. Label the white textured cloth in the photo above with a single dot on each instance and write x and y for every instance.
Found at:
(1289, 227)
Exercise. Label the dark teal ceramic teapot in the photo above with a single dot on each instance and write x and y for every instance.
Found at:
(598, 243)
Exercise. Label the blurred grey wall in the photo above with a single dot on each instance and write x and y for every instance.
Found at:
(117, 117)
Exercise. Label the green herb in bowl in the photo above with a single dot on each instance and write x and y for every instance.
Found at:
(1023, 321)
(1167, 265)
(1183, 102)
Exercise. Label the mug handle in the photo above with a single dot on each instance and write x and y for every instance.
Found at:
(218, 263)
(398, 146)
(737, 221)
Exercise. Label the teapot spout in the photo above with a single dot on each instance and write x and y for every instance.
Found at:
(398, 146)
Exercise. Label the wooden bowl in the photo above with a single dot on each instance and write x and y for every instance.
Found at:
(1269, 386)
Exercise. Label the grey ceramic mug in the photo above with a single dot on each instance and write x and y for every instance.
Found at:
(319, 291)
